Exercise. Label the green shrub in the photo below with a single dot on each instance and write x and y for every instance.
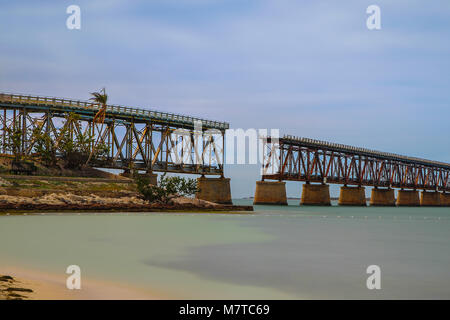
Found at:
(44, 147)
(166, 189)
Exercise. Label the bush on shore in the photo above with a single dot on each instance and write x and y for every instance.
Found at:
(166, 189)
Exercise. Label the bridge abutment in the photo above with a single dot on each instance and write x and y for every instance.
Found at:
(382, 197)
(352, 196)
(315, 195)
(445, 199)
(430, 199)
(408, 198)
(214, 189)
(270, 192)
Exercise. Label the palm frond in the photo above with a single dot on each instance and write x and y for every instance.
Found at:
(99, 97)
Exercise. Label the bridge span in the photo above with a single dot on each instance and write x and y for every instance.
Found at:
(318, 163)
(126, 138)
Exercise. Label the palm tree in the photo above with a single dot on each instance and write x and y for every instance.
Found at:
(100, 98)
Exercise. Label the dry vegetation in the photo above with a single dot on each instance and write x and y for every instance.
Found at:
(57, 189)
(12, 289)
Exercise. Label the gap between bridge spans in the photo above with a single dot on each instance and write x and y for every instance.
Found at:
(237, 145)
(241, 146)
(138, 145)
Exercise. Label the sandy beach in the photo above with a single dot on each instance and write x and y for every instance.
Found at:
(46, 286)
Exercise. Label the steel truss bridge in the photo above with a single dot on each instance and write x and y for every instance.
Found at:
(135, 138)
(303, 159)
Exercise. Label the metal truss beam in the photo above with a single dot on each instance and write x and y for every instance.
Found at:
(313, 161)
(132, 144)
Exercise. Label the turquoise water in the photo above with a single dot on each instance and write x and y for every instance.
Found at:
(277, 252)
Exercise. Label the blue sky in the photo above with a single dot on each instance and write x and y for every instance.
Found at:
(309, 68)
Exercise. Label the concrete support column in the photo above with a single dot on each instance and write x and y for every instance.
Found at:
(270, 192)
(214, 189)
(445, 199)
(382, 197)
(409, 198)
(315, 195)
(352, 196)
(153, 178)
(430, 199)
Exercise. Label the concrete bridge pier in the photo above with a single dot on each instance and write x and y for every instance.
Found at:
(214, 189)
(382, 197)
(153, 178)
(430, 199)
(270, 192)
(445, 199)
(408, 198)
(352, 196)
(315, 195)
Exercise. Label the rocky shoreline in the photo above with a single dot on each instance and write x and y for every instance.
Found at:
(72, 202)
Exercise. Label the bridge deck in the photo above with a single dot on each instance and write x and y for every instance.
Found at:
(40, 103)
(129, 138)
(303, 159)
(306, 142)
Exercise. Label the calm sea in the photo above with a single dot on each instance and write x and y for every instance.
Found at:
(277, 252)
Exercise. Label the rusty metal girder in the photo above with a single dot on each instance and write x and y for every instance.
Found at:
(138, 145)
(315, 161)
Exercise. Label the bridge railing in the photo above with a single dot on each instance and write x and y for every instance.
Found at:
(363, 151)
(58, 102)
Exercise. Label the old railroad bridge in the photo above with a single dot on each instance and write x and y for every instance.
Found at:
(319, 163)
(139, 139)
